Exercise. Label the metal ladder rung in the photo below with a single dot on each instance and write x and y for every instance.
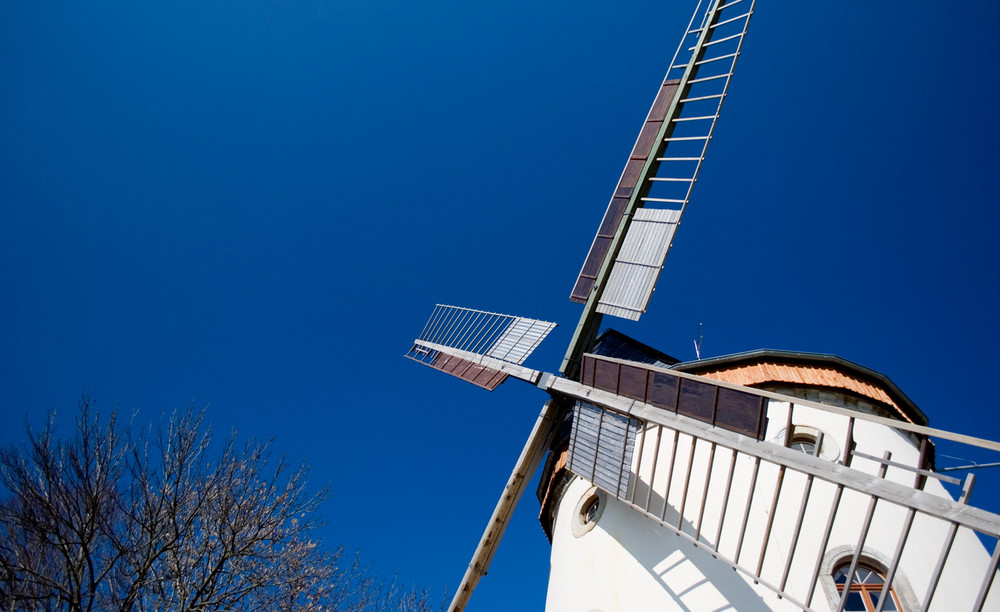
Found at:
(729, 5)
(730, 20)
(711, 78)
(721, 40)
(663, 159)
(663, 200)
(680, 138)
(720, 9)
(670, 179)
(715, 59)
(695, 118)
(678, 66)
(700, 98)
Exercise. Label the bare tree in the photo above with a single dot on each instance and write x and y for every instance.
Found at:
(167, 520)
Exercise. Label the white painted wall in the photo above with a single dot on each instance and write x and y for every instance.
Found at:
(630, 562)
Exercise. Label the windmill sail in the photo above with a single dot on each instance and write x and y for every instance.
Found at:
(478, 346)
(623, 264)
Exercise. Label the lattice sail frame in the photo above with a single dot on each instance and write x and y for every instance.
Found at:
(622, 268)
(478, 346)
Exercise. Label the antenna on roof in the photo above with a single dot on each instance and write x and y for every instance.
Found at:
(697, 343)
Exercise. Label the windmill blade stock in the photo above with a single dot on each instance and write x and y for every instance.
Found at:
(620, 271)
(530, 458)
(478, 346)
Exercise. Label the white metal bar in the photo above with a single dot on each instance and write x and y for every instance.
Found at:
(834, 507)
(687, 483)
(991, 571)
(770, 518)
(716, 59)
(454, 326)
(702, 98)
(480, 340)
(718, 41)
(670, 476)
(710, 78)
(731, 19)
(704, 491)
(746, 511)
(428, 323)
(638, 462)
(725, 497)
(862, 536)
(909, 468)
(652, 473)
(797, 530)
(890, 575)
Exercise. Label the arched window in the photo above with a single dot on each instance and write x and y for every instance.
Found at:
(805, 443)
(866, 588)
(805, 438)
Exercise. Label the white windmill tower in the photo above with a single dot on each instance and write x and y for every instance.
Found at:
(667, 477)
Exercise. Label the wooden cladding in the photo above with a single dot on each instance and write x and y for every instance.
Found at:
(645, 146)
(601, 446)
(815, 375)
(479, 375)
(720, 406)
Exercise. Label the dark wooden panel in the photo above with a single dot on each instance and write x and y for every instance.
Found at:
(632, 171)
(606, 376)
(474, 371)
(663, 99)
(647, 137)
(481, 376)
(645, 145)
(447, 363)
(662, 391)
(613, 217)
(582, 290)
(588, 371)
(597, 252)
(632, 382)
(740, 412)
(697, 400)
(708, 402)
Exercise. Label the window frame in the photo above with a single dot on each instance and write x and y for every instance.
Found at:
(865, 589)
(838, 556)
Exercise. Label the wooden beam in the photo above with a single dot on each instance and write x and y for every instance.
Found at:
(961, 513)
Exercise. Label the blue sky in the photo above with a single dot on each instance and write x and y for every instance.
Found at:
(255, 206)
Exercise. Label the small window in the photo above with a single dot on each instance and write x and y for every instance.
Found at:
(591, 510)
(806, 444)
(588, 511)
(805, 439)
(866, 588)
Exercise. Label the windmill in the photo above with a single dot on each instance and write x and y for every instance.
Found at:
(616, 404)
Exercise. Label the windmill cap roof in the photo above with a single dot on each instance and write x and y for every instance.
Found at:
(763, 366)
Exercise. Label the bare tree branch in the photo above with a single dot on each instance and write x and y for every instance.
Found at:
(160, 520)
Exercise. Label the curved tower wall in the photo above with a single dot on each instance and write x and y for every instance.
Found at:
(621, 560)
